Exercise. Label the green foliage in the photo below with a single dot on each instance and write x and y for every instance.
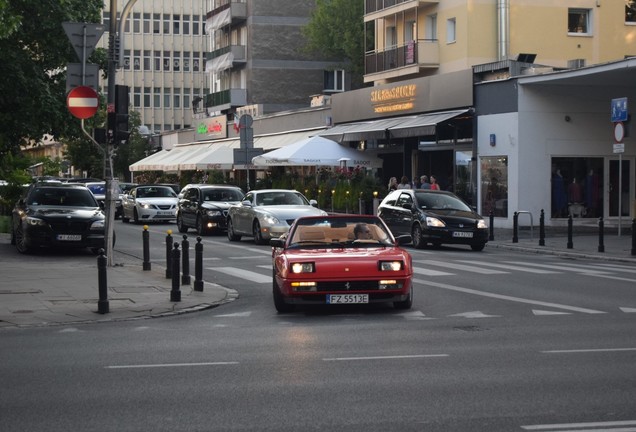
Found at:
(336, 30)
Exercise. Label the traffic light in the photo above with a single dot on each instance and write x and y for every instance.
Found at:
(122, 128)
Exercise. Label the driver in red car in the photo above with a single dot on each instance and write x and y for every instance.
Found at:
(362, 232)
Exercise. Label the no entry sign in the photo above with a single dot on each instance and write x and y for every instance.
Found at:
(82, 102)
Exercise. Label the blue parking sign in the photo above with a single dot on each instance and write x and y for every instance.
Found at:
(619, 110)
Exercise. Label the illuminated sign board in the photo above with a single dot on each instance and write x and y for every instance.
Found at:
(211, 128)
(398, 98)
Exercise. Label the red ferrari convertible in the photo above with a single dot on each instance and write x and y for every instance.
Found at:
(342, 259)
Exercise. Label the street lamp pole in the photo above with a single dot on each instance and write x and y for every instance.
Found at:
(110, 136)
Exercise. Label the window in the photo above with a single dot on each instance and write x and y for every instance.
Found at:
(431, 27)
(166, 97)
(391, 37)
(334, 80)
(176, 24)
(157, 60)
(137, 60)
(186, 24)
(106, 19)
(147, 97)
(195, 61)
(176, 61)
(136, 22)
(156, 102)
(410, 31)
(451, 30)
(177, 100)
(126, 59)
(196, 24)
(146, 23)
(186, 62)
(147, 60)
(630, 11)
(166, 23)
(137, 97)
(166, 61)
(156, 23)
(579, 21)
(577, 180)
(186, 97)
(494, 186)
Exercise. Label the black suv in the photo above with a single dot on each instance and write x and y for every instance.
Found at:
(57, 215)
(204, 207)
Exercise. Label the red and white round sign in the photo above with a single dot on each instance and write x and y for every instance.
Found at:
(82, 102)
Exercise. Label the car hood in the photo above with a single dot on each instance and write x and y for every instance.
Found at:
(66, 213)
(158, 200)
(290, 211)
(339, 262)
(457, 215)
(222, 205)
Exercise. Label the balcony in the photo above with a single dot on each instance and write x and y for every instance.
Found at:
(402, 60)
(374, 9)
(226, 99)
(225, 58)
(231, 12)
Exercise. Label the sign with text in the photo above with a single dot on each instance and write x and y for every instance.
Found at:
(619, 110)
(211, 128)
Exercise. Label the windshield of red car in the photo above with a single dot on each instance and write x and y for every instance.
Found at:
(329, 232)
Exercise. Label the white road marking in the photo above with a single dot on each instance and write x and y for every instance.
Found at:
(543, 312)
(247, 257)
(506, 297)
(563, 426)
(430, 272)
(243, 274)
(628, 310)
(460, 267)
(385, 357)
(576, 351)
(586, 270)
(415, 315)
(474, 314)
(511, 267)
(238, 314)
(162, 365)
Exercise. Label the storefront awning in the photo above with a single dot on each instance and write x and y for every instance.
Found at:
(395, 127)
(148, 163)
(184, 155)
(278, 140)
(216, 156)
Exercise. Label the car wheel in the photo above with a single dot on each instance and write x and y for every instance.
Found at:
(230, 231)
(478, 247)
(200, 228)
(256, 232)
(20, 241)
(124, 219)
(416, 237)
(12, 237)
(136, 216)
(180, 226)
(406, 304)
(279, 301)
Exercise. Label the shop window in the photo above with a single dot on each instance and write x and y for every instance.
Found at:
(494, 186)
(576, 187)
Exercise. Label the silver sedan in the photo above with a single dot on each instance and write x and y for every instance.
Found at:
(268, 213)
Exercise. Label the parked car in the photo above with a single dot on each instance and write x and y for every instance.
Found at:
(433, 217)
(175, 187)
(150, 203)
(99, 190)
(268, 213)
(341, 259)
(57, 215)
(205, 207)
(127, 187)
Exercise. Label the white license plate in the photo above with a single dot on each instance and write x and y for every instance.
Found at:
(462, 234)
(69, 237)
(347, 298)
(164, 213)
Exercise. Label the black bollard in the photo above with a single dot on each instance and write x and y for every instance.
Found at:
(570, 244)
(491, 236)
(102, 284)
(601, 228)
(198, 265)
(542, 228)
(515, 227)
(169, 255)
(145, 237)
(175, 293)
(633, 236)
(185, 255)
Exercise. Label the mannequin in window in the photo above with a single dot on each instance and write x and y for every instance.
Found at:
(575, 192)
(591, 192)
(559, 196)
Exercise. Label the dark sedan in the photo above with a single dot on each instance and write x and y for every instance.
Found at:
(204, 207)
(433, 217)
(57, 215)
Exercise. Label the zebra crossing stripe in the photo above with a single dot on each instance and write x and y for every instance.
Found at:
(243, 274)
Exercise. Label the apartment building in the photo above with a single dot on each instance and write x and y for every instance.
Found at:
(456, 86)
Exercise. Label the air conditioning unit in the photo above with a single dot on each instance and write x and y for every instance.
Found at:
(576, 63)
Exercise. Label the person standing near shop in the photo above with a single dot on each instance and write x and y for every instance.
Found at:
(404, 183)
(393, 184)
(424, 184)
(434, 185)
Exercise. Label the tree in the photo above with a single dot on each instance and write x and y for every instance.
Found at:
(34, 51)
(336, 30)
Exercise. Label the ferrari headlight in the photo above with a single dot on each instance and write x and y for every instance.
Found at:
(434, 222)
(481, 224)
(35, 221)
(308, 267)
(98, 225)
(391, 265)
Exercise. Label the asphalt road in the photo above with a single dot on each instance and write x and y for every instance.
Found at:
(496, 341)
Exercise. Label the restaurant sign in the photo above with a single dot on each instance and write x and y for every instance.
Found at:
(211, 128)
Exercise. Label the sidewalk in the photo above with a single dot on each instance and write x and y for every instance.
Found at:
(36, 291)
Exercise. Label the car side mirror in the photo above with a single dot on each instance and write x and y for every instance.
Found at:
(277, 242)
(313, 203)
(246, 203)
(403, 239)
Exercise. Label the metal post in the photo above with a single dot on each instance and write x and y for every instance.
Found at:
(175, 293)
(169, 254)
(491, 236)
(601, 227)
(102, 284)
(542, 228)
(633, 236)
(515, 227)
(185, 255)
(145, 236)
(570, 245)
(198, 265)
